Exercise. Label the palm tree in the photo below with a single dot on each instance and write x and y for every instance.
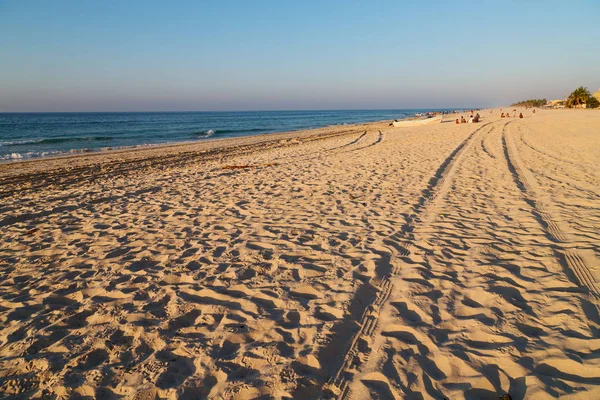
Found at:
(578, 97)
(594, 101)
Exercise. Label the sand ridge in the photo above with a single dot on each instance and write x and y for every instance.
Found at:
(361, 261)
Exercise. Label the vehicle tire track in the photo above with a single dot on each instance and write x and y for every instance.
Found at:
(355, 141)
(486, 150)
(376, 142)
(568, 256)
(556, 158)
(398, 246)
(439, 183)
(303, 157)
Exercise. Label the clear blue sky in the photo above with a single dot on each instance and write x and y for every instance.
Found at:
(85, 55)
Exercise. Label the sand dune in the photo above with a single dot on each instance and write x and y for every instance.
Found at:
(364, 261)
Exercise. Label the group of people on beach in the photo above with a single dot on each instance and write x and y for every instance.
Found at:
(476, 117)
(471, 120)
(508, 115)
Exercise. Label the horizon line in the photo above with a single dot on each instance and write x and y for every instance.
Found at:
(240, 111)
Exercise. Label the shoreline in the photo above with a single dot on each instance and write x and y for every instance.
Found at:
(139, 154)
(85, 151)
(141, 147)
(215, 144)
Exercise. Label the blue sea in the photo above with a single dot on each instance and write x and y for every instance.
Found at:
(33, 135)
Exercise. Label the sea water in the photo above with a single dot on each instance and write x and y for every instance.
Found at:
(32, 135)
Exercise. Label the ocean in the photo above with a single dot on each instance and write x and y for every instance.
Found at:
(34, 135)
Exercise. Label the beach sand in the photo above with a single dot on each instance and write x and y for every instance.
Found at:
(362, 261)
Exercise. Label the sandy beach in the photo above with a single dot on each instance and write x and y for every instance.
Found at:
(351, 262)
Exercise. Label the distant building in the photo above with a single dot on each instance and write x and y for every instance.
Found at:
(559, 103)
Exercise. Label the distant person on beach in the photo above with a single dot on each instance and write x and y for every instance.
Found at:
(471, 119)
(463, 120)
(502, 115)
(520, 115)
(476, 119)
(457, 121)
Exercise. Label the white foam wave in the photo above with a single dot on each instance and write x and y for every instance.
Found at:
(20, 142)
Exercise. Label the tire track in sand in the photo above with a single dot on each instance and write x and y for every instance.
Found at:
(565, 251)
(396, 245)
(376, 142)
(331, 150)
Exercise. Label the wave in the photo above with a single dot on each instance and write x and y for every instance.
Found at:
(54, 140)
(55, 153)
(206, 133)
(17, 142)
(211, 132)
(39, 154)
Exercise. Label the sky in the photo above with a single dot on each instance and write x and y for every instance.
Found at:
(84, 55)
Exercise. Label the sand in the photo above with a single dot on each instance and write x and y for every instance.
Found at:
(363, 261)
